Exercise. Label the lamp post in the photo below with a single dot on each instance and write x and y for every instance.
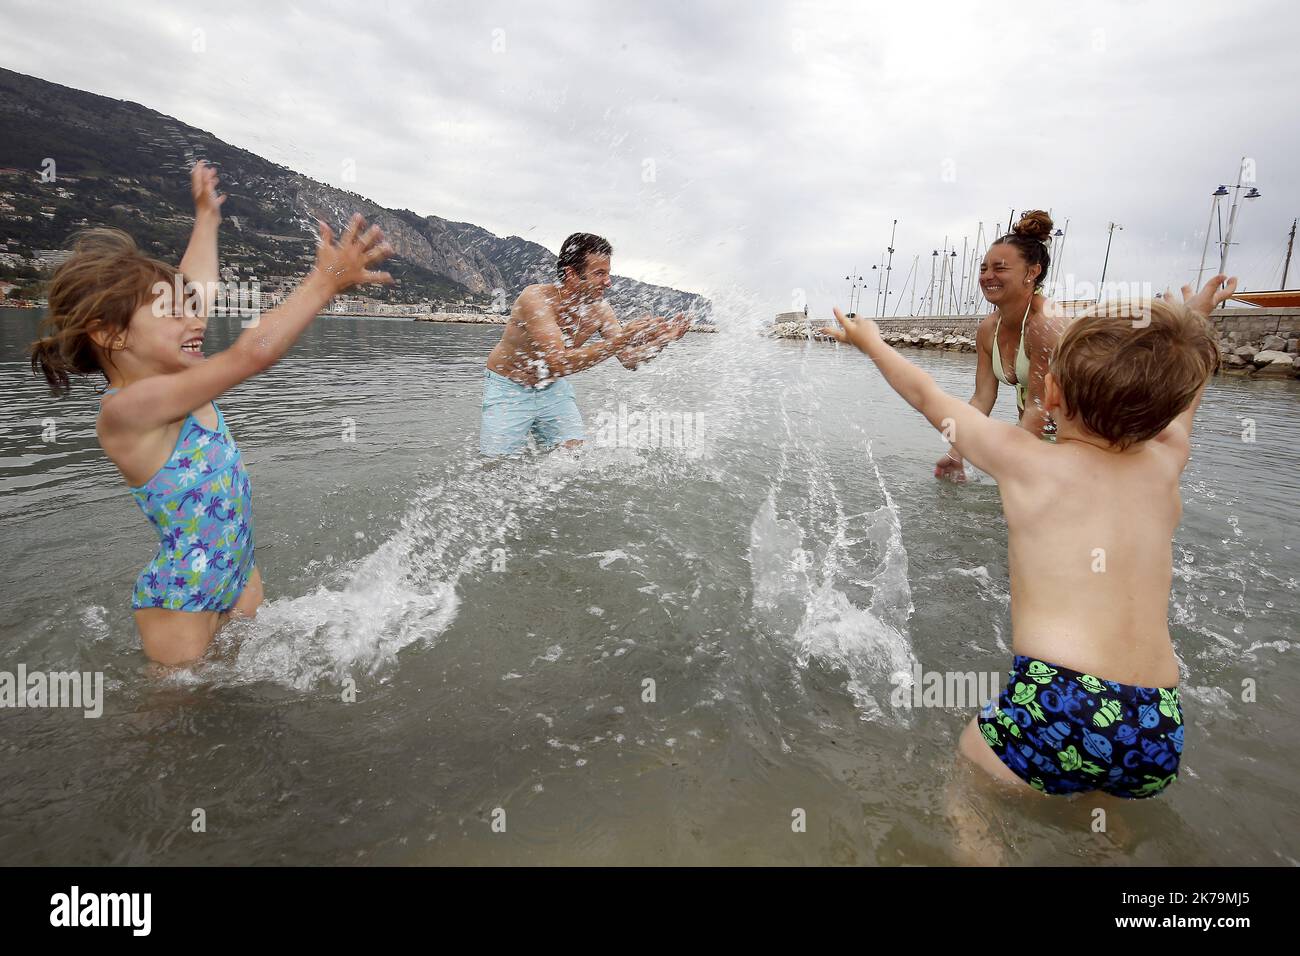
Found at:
(1214, 208)
(1060, 253)
(853, 281)
(1252, 193)
(1110, 234)
(889, 266)
(936, 307)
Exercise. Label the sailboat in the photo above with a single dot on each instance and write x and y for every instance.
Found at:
(1282, 297)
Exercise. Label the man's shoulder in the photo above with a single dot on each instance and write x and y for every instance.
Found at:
(537, 298)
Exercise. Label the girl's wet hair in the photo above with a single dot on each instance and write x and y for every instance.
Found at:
(97, 289)
(1031, 235)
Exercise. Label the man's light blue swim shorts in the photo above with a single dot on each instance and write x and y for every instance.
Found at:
(512, 412)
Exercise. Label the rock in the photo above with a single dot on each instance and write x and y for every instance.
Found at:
(1276, 370)
(1269, 356)
(1292, 346)
(1245, 352)
(1273, 343)
(1272, 362)
(1234, 361)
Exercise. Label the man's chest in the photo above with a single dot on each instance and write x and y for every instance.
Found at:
(577, 328)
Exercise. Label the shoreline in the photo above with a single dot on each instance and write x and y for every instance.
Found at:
(445, 318)
(485, 318)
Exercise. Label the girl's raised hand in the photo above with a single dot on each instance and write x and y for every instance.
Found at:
(859, 332)
(203, 187)
(347, 262)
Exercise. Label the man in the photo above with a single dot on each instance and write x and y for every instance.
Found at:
(526, 390)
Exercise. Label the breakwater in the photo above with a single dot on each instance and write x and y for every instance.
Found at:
(1263, 342)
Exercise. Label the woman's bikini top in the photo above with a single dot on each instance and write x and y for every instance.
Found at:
(1022, 359)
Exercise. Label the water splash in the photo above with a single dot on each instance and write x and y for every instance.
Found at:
(795, 592)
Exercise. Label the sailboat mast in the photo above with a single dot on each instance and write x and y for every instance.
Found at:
(1290, 244)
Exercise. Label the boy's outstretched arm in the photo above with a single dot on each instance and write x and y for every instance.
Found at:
(992, 446)
(200, 264)
(1178, 433)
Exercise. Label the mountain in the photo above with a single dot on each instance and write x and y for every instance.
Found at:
(121, 164)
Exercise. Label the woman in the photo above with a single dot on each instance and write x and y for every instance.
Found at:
(1015, 342)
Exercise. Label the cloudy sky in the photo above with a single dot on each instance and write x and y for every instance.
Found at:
(740, 149)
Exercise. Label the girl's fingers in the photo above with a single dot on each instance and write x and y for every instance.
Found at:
(377, 278)
(378, 253)
(354, 226)
(326, 233)
(372, 237)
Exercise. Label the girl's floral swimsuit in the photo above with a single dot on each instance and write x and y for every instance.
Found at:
(201, 504)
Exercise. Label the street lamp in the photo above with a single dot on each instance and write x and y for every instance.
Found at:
(1059, 253)
(853, 280)
(1252, 193)
(1214, 208)
(889, 268)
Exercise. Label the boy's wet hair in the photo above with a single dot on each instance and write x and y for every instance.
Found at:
(1127, 378)
(97, 289)
(574, 252)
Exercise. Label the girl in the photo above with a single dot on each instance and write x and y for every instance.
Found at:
(1015, 342)
(113, 311)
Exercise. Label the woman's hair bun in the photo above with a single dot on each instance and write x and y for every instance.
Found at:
(1034, 224)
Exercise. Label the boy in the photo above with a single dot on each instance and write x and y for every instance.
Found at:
(1092, 700)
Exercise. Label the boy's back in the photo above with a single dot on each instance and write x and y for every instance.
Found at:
(1090, 555)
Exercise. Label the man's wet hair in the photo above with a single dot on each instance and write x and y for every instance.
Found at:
(574, 252)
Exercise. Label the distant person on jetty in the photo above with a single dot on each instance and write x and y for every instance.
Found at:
(526, 391)
(1014, 343)
(118, 313)
(1091, 702)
